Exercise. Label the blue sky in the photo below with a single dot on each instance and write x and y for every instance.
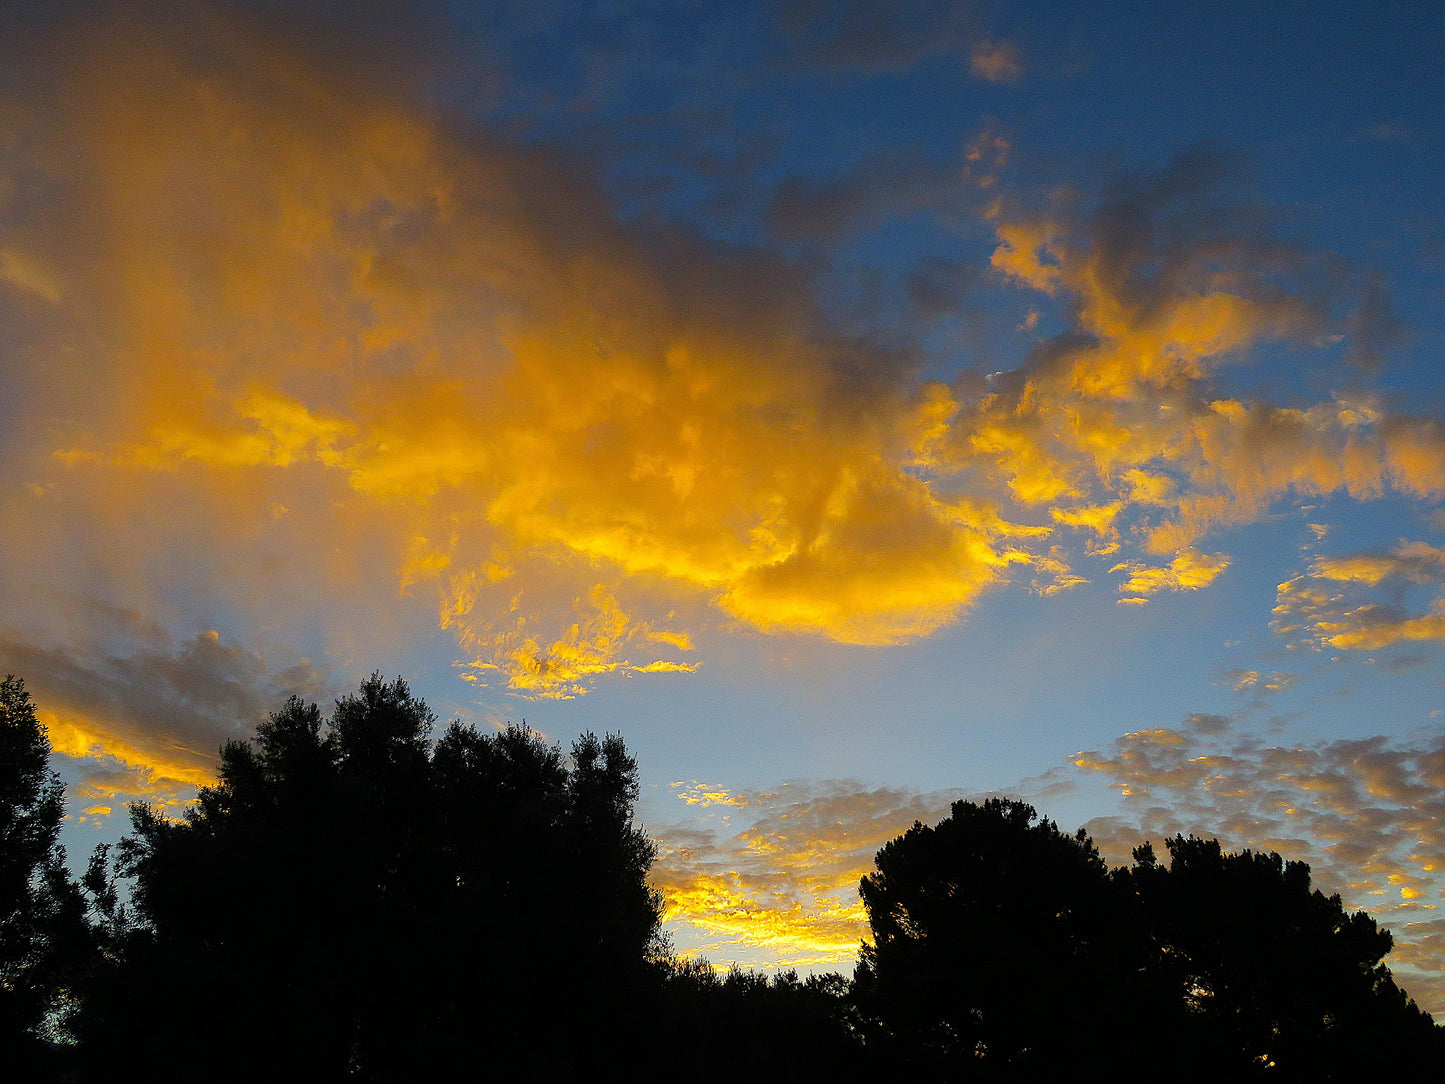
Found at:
(858, 406)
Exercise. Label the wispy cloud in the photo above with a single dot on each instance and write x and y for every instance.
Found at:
(878, 36)
(996, 61)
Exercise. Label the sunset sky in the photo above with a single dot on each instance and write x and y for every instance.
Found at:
(858, 405)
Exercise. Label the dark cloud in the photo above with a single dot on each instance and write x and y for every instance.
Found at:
(1204, 723)
(876, 36)
(1198, 170)
(939, 288)
(1375, 328)
(155, 711)
(871, 191)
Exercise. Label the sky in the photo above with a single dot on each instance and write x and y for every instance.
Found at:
(859, 406)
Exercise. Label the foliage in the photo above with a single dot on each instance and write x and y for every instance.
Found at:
(1264, 973)
(350, 899)
(798, 1028)
(42, 913)
(985, 929)
(1006, 949)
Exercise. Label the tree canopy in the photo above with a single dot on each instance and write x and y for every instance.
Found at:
(1264, 973)
(1004, 948)
(986, 927)
(42, 914)
(351, 898)
(358, 898)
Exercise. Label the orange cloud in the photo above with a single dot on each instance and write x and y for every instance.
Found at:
(522, 386)
(776, 880)
(319, 343)
(561, 669)
(701, 794)
(1188, 571)
(1349, 601)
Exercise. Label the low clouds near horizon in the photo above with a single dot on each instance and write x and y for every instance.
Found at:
(777, 871)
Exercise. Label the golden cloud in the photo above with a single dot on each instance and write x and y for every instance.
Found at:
(317, 295)
(148, 772)
(1190, 570)
(1352, 601)
(329, 345)
(703, 794)
(776, 879)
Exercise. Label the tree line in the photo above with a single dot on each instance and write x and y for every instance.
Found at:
(356, 898)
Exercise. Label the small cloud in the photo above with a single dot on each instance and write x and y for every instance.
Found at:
(1206, 724)
(704, 794)
(995, 61)
(1410, 661)
(24, 273)
(1054, 574)
(1190, 570)
(1242, 679)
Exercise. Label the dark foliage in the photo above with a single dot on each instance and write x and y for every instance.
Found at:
(986, 929)
(349, 900)
(1266, 976)
(781, 1028)
(1004, 949)
(354, 899)
(44, 940)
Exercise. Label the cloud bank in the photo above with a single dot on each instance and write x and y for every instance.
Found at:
(368, 344)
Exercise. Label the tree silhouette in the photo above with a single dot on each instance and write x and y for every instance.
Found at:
(1266, 976)
(791, 1028)
(986, 929)
(349, 899)
(1005, 949)
(43, 933)
(352, 899)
